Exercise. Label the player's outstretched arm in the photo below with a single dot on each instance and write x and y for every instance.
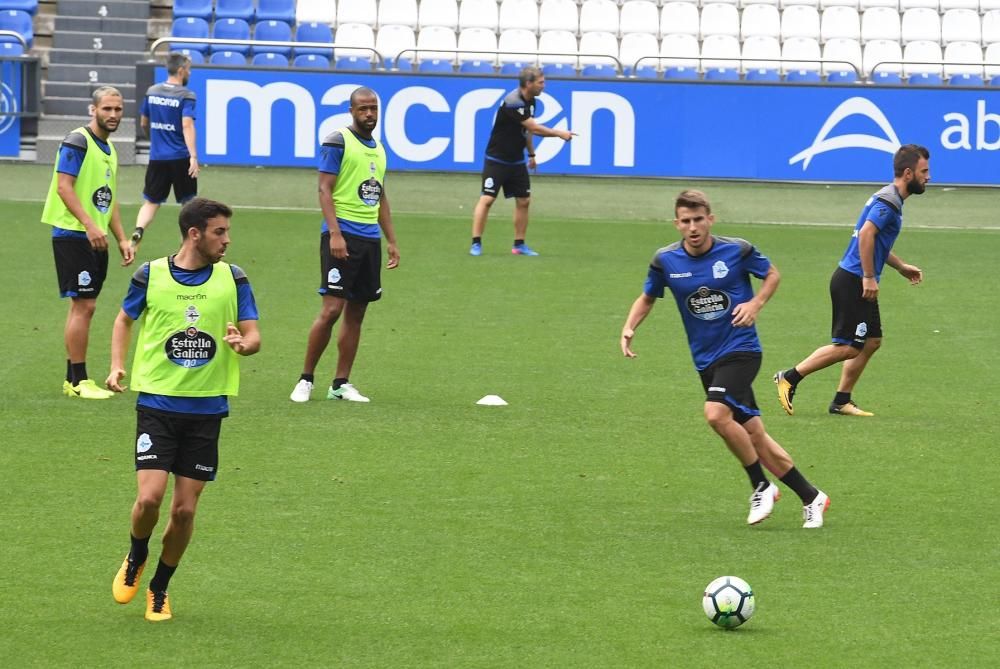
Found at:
(636, 315)
(121, 335)
(911, 273)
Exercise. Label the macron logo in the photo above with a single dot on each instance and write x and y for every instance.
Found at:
(851, 107)
(165, 102)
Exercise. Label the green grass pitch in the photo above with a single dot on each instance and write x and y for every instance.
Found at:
(575, 527)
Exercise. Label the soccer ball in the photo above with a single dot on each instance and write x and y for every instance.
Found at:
(728, 601)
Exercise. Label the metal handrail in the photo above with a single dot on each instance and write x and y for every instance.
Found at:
(19, 36)
(327, 46)
(536, 56)
(700, 60)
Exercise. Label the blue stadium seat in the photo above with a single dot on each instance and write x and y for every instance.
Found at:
(276, 10)
(645, 72)
(680, 73)
(189, 26)
(842, 77)
(197, 57)
(803, 77)
(233, 9)
(403, 64)
(197, 9)
(559, 70)
(433, 65)
(763, 74)
(277, 31)
(925, 79)
(353, 63)
(9, 49)
(269, 60)
(995, 81)
(965, 80)
(231, 29)
(722, 74)
(599, 71)
(313, 32)
(19, 22)
(313, 60)
(886, 78)
(30, 6)
(476, 67)
(228, 58)
(513, 69)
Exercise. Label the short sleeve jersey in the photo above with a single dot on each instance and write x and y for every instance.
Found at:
(706, 289)
(166, 106)
(69, 161)
(507, 140)
(885, 210)
(135, 303)
(331, 155)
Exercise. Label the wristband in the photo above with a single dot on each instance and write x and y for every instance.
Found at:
(868, 276)
(531, 155)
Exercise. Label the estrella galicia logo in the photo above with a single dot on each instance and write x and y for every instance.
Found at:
(855, 106)
(83, 278)
(370, 191)
(8, 108)
(102, 199)
(707, 303)
(190, 348)
(719, 270)
(143, 443)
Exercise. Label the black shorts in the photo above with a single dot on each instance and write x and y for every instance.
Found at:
(356, 278)
(162, 174)
(854, 319)
(80, 269)
(729, 381)
(184, 444)
(513, 178)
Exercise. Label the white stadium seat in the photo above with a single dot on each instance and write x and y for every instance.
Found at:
(853, 4)
(515, 41)
(911, 4)
(800, 21)
(598, 16)
(640, 16)
(431, 38)
(921, 24)
(800, 53)
(719, 19)
(746, 3)
(396, 12)
(880, 23)
(991, 27)
(679, 18)
(316, 11)
(760, 21)
(988, 5)
(848, 50)
(438, 13)
(603, 43)
(478, 14)
(354, 35)
(559, 15)
(471, 39)
(961, 25)
(840, 22)
(637, 45)
(391, 40)
(960, 4)
(882, 51)
(960, 55)
(803, 3)
(555, 45)
(681, 50)
(760, 46)
(357, 11)
(992, 56)
(868, 4)
(519, 14)
(720, 52)
(922, 56)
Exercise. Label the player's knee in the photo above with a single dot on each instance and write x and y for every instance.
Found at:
(84, 308)
(522, 202)
(330, 312)
(717, 415)
(182, 513)
(873, 344)
(148, 501)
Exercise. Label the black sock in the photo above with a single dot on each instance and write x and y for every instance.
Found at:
(161, 579)
(307, 377)
(797, 482)
(756, 474)
(840, 399)
(518, 242)
(140, 550)
(477, 240)
(69, 371)
(792, 376)
(77, 372)
(338, 383)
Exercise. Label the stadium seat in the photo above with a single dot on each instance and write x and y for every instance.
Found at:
(517, 46)
(558, 15)
(846, 50)
(840, 22)
(353, 62)
(274, 31)
(311, 60)
(599, 70)
(230, 29)
(639, 16)
(645, 71)
(392, 41)
(357, 11)
(922, 61)
(197, 57)
(719, 19)
(963, 58)
(722, 74)
(842, 77)
(761, 53)
(746, 3)
(991, 56)
(966, 79)
(190, 27)
(802, 77)
(760, 21)
(868, 4)
(599, 16)
(925, 79)
(889, 54)
(234, 9)
(886, 78)
(19, 22)
(679, 56)
(785, 4)
(313, 32)
(960, 4)
(823, 4)
(196, 9)
(438, 13)
(679, 18)
(514, 67)
(558, 47)
(762, 74)
(880, 23)
(800, 53)
(800, 21)
(353, 41)
(598, 49)
(563, 70)
(272, 60)
(960, 25)
(911, 4)
(29, 6)
(635, 46)
(316, 11)
(921, 25)
(477, 67)
(436, 43)
(397, 13)
(477, 44)
(10, 49)
(991, 27)
(988, 5)
(277, 10)
(228, 58)
(518, 14)
(478, 14)
(435, 65)
(720, 57)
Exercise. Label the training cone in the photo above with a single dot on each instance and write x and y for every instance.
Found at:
(492, 401)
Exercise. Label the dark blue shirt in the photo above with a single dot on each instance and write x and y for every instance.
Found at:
(508, 138)
(69, 161)
(135, 303)
(331, 155)
(885, 210)
(166, 106)
(706, 289)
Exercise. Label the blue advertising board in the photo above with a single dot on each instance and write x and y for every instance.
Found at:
(625, 128)
(10, 105)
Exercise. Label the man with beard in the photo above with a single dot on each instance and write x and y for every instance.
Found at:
(81, 206)
(355, 216)
(167, 114)
(857, 325)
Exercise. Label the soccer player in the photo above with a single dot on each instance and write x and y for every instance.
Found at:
(709, 277)
(504, 165)
(81, 206)
(167, 114)
(857, 324)
(355, 215)
(196, 315)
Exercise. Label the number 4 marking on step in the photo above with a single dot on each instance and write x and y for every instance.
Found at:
(103, 11)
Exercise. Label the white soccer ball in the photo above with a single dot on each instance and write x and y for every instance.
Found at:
(728, 601)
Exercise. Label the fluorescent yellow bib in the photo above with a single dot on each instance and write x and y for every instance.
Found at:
(95, 186)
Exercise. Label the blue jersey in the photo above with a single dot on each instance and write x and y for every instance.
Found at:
(135, 303)
(331, 154)
(166, 106)
(885, 210)
(69, 161)
(707, 288)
